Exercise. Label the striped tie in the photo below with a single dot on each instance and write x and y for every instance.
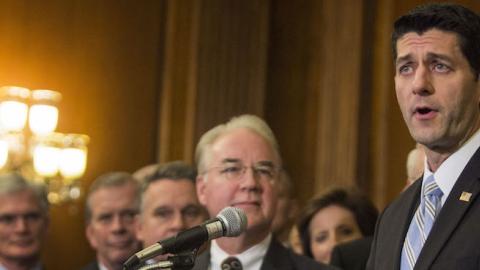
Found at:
(421, 223)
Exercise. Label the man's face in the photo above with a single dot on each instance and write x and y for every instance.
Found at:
(436, 89)
(23, 226)
(224, 183)
(169, 207)
(111, 230)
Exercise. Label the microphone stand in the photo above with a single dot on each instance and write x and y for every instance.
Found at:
(181, 261)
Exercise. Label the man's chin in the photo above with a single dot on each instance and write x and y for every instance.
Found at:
(24, 254)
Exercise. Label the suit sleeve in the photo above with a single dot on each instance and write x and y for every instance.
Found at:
(337, 258)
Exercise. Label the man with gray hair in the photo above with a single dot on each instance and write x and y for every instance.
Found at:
(23, 223)
(239, 164)
(110, 213)
(169, 203)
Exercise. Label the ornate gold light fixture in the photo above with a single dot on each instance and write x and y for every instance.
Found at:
(39, 153)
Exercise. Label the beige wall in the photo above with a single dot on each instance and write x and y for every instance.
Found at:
(146, 78)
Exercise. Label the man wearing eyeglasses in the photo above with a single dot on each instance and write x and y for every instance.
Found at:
(169, 203)
(239, 165)
(23, 223)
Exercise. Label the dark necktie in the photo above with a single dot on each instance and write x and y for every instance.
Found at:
(231, 263)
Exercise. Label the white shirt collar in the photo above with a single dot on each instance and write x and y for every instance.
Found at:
(251, 258)
(101, 266)
(447, 174)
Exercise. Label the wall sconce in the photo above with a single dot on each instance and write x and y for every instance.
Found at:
(54, 159)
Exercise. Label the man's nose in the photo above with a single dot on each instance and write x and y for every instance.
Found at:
(21, 224)
(178, 222)
(118, 224)
(250, 179)
(422, 84)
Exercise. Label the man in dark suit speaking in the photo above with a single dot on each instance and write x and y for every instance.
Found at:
(239, 165)
(434, 224)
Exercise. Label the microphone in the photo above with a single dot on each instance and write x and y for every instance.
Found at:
(229, 222)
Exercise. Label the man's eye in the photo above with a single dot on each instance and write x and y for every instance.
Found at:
(442, 68)
(128, 215)
(33, 217)
(405, 69)
(191, 212)
(163, 213)
(265, 171)
(104, 218)
(7, 219)
(232, 169)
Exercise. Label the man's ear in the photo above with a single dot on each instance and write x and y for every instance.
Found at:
(201, 186)
(89, 233)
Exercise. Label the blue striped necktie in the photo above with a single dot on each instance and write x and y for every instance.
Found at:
(421, 224)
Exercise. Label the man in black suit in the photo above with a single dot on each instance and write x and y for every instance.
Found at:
(434, 224)
(111, 213)
(239, 164)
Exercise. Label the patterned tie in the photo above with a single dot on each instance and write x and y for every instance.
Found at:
(421, 223)
(231, 263)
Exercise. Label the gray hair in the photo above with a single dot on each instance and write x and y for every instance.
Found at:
(12, 183)
(175, 170)
(246, 121)
(112, 179)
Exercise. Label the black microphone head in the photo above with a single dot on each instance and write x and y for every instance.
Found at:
(234, 219)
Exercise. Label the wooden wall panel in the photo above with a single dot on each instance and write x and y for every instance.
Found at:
(339, 90)
(313, 90)
(231, 63)
(102, 56)
(215, 68)
(292, 97)
(179, 76)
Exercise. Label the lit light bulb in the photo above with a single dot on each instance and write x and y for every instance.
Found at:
(13, 115)
(73, 162)
(45, 160)
(13, 108)
(43, 116)
(43, 119)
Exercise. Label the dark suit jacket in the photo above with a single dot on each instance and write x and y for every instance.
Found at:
(91, 266)
(277, 258)
(454, 241)
(352, 255)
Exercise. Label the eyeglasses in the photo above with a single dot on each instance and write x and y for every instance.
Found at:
(234, 172)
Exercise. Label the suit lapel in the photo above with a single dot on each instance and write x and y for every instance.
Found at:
(452, 212)
(276, 258)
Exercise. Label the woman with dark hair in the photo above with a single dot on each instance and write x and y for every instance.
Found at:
(336, 216)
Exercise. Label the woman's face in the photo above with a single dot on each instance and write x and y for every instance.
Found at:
(330, 226)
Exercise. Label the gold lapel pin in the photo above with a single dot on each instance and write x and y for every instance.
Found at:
(465, 196)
